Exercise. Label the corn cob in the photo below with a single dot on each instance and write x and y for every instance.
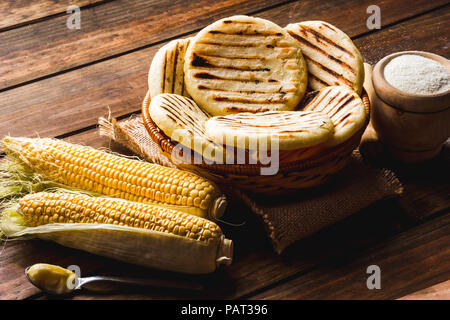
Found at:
(43, 208)
(134, 232)
(104, 173)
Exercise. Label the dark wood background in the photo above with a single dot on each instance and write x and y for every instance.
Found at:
(56, 82)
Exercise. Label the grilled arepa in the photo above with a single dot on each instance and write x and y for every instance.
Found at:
(244, 64)
(182, 120)
(344, 107)
(292, 129)
(330, 54)
(166, 74)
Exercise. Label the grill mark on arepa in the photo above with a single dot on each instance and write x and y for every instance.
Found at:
(337, 109)
(199, 61)
(212, 55)
(202, 62)
(286, 91)
(326, 106)
(333, 73)
(318, 79)
(320, 36)
(182, 103)
(342, 124)
(281, 126)
(251, 127)
(164, 72)
(343, 118)
(318, 99)
(222, 43)
(240, 22)
(171, 118)
(182, 86)
(314, 47)
(183, 90)
(239, 109)
(181, 117)
(329, 27)
(248, 101)
(207, 75)
(233, 58)
(236, 45)
(175, 61)
(175, 106)
(242, 33)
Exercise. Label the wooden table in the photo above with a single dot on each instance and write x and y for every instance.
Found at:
(56, 82)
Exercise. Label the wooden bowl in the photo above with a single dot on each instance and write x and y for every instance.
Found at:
(413, 126)
(302, 168)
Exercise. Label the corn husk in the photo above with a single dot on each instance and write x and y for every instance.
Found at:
(17, 179)
(133, 245)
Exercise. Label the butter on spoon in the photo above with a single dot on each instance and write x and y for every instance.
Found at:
(59, 281)
(51, 279)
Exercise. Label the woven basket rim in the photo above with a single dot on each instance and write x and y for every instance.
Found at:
(166, 146)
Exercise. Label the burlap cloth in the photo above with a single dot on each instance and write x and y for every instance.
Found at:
(288, 218)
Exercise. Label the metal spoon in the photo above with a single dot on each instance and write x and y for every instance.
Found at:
(80, 282)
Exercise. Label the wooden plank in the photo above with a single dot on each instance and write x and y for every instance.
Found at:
(440, 291)
(413, 260)
(427, 188)
(115, 27)
(74, 100)
(16, 13)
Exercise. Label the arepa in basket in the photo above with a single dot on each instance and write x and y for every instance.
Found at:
(298, 168)
(286, 130)
(331, 56)
(300, 162)
(166, 72)
(244, 64)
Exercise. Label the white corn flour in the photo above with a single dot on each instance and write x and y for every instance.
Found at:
(416, 74)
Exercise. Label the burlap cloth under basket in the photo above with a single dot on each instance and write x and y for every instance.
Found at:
(287, 219)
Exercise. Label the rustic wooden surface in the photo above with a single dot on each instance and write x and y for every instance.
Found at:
(56, 82)
(438, 291)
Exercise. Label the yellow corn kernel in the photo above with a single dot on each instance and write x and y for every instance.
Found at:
(94, 170)
(42, 208)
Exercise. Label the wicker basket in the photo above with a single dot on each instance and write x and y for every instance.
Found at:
(302, 168)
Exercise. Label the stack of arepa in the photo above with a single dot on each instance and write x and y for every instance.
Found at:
(242, 83)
